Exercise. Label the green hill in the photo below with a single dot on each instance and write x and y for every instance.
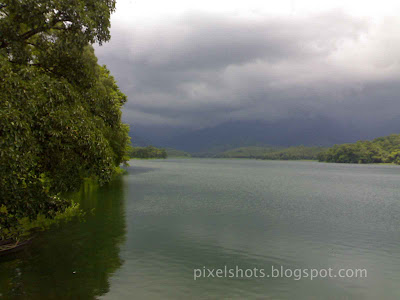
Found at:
(147, 152)
(177, 153)
(274, 153)
(380, 150)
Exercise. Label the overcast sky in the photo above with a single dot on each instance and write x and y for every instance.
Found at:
(200, 63)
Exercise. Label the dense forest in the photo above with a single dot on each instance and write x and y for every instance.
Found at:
(274, 153)
(60, 112)
(380, 150)
(177, 153)
(147, 152)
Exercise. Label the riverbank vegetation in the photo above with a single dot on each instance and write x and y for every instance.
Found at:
(60, 112)
(147, 152)
(177, 153)
(274, 153)
(380, 150)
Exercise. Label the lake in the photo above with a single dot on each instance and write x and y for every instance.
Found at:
(148, 234)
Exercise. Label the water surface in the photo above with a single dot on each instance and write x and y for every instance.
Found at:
(151, 228)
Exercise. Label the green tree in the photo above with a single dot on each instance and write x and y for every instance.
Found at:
(60, 112)
(380, 150)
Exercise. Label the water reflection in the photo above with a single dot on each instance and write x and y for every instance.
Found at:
(216, 213)
(165, 218)
(75, 260)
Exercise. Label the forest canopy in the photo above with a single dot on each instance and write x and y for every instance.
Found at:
(148, 152)
(274, 153)
(380, 150)
(60, 112)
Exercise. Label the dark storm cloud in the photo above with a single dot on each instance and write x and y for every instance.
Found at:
(202, 69)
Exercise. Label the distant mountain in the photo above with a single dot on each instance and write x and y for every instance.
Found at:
(390, 126)
(138, 141)
(316, 131)
(288, 132)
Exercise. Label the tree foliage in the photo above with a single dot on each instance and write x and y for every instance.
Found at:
(60, 112)
(274, 153)
(148, 152)
(31, 29)
(177, 153)
(380, 150)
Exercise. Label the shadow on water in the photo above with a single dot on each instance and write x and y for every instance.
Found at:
(74, 260)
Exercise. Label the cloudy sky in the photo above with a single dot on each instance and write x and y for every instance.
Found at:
(193, 64)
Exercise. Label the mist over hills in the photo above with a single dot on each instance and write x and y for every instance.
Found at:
(287, 132)
(318, 131)
(314, 79)
(252, 133)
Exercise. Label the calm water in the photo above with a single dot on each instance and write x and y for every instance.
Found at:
(151, 228)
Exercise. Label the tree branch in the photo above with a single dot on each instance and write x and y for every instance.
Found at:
(39, 29)
(3, 44)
